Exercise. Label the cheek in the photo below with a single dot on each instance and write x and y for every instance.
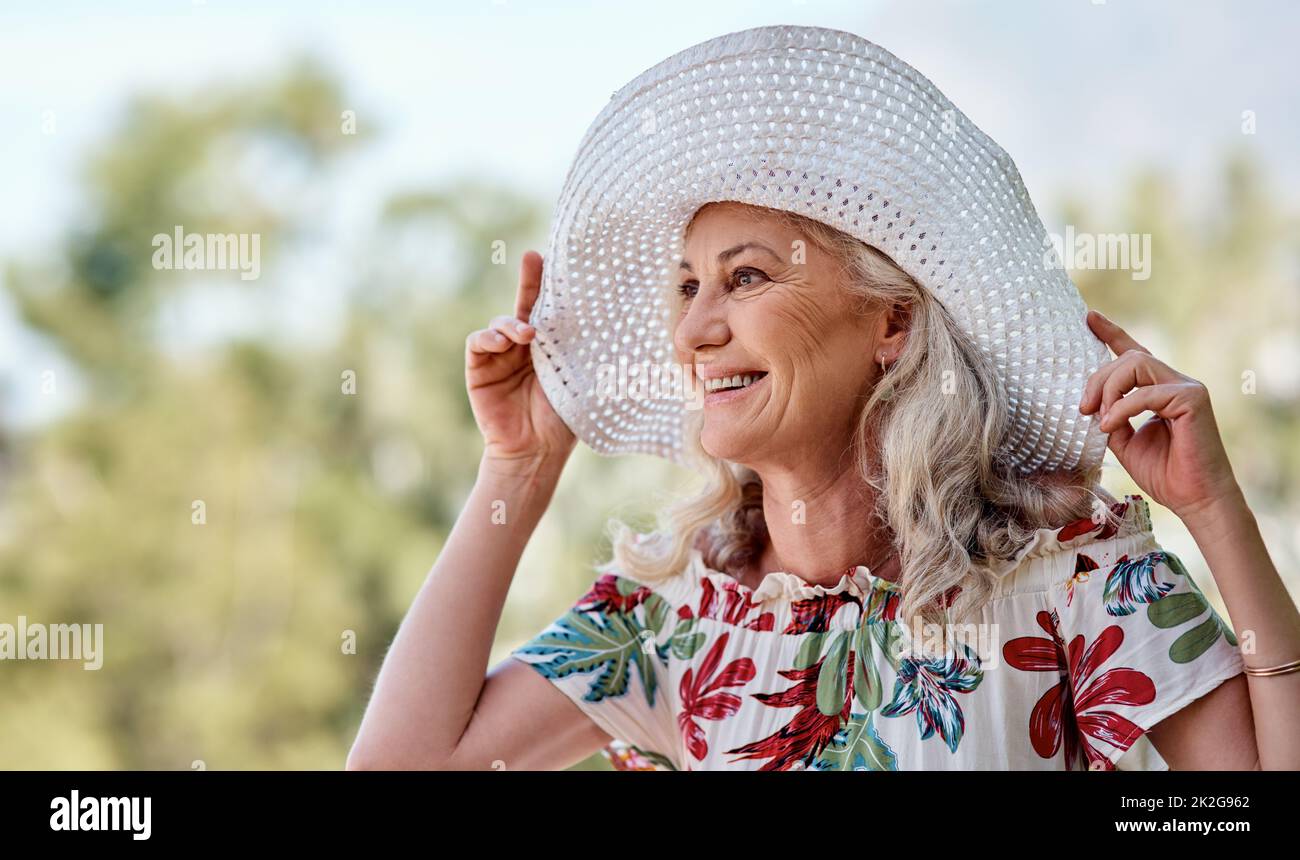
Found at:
(799, 331)
(824, 353)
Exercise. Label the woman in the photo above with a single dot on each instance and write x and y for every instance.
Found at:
(902, 557)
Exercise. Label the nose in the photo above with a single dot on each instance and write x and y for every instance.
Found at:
(703, 325)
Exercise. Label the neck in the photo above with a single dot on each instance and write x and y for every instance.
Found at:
(819, 524)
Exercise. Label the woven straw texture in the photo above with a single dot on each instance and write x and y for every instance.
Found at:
(831, 126)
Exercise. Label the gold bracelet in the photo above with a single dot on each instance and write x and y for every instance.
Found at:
(1284, 669)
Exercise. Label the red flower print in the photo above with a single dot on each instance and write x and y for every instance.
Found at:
(604, 596)
(699, 699)
(732, 605)
(1071, 711)
(802, 740)
(814, 614)
(1084, 525)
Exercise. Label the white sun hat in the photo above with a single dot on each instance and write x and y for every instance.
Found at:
(828, 125)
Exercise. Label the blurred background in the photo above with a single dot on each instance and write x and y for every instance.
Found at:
(380, 152)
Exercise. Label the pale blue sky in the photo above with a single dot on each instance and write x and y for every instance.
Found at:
(1080, 93)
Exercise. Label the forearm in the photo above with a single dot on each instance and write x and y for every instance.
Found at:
(1263, 615)
(434, 670)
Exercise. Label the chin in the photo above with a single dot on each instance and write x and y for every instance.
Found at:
(729, 444)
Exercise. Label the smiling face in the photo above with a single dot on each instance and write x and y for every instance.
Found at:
(761, 302)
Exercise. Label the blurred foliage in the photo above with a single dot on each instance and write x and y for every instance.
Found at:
(325, 510)
(1222, 305)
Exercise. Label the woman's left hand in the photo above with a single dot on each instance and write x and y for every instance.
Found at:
(1176, 456)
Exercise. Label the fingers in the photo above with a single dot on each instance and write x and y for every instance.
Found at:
(530, 284)
(1152, 398)
(1119, 376)
(516, 330)
(1119, 438)
(500, 335)
(504, 332)
(1092, 389)
(487, 341)
(1112, 335)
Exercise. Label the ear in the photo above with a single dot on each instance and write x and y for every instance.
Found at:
(892, 328)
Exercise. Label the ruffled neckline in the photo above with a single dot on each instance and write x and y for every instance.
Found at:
(780, 585)
(1134, 515)
(1132, 510)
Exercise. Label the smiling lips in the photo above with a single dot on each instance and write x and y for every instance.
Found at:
(739, 380)
(721, 388)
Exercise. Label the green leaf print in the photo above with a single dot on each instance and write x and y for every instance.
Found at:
(888, 636)
(874, 632)
(857, 746)
(864, 641)
(810, 650)
(686, 640)
(605, 642)
(866, 678)
(831, 679)
(1195, 642)
(1174, 610)
(655, 607)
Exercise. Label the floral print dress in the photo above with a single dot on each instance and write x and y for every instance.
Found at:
(1093, 636)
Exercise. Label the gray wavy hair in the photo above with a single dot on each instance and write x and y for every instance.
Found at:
(952, 503)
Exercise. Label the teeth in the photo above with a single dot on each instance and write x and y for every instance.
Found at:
(724, 382)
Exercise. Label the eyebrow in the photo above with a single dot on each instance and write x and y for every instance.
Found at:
(731, 252)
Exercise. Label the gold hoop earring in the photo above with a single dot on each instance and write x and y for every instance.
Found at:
(888, 392)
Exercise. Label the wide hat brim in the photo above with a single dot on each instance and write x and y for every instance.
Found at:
(831, 126)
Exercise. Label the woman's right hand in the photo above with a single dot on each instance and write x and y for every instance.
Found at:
(519, 426)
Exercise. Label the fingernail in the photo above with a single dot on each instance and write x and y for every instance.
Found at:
(496, 335)
(525, 328)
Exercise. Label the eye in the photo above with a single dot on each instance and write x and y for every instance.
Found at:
(738, 279)
(747, 278)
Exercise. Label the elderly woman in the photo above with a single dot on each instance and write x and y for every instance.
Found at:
(901, 557)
